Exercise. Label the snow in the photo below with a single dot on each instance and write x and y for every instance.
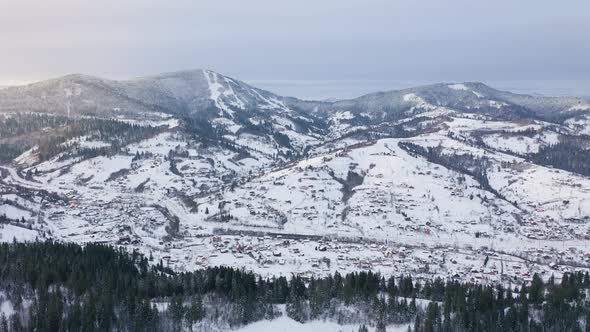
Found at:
(342, 115)
(419, 102)
(476, 124)
(8, 233)
(13, 212)
(406, 213)
(101, 167)
(521, 144)
(581, 107)
(271, 103)
(27, 158)
(459, 86)
(463, 87)
(6, 309)
(94, 144)
(413, 98)
(166, 121)
(226, 123)
(216, 91)
(496, 104)
(161, 144)
(284, 323)
(580, 124)
(403, 201)
(477, 94)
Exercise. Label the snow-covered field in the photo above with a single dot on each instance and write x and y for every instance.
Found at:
(9, 233)
(284, 323)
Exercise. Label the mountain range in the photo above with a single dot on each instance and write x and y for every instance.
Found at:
(198, 168)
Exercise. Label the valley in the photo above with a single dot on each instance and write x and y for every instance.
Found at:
(195, 169)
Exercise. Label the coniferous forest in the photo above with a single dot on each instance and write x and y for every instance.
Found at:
(51, 135)
(65, 287)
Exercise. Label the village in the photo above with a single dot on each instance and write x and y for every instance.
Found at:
(281, 255)
(368, 206)
(309, 256)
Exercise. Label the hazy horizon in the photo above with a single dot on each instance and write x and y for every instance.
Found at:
(371, 40)
(347, 89)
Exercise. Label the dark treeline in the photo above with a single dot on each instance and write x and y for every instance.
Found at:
(116, 133)
(20, 132)
(467, 163)
(571, 154)
(23, 123)
(17, 132)
(65, 287)
(9, 151)
(204, 132)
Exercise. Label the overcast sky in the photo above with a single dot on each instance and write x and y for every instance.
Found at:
(265, 40)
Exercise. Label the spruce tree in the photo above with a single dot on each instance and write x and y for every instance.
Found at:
(536, 290)
(176, 311)
(15, 323)
(195, 312)
(3, 323)
(295, 308)
(74, 319)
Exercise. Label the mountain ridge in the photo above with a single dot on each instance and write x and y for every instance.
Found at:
(200, 166)
(195, 77)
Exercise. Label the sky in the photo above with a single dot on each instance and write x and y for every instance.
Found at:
(394, 42)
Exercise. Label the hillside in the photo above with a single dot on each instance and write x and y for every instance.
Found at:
(199, 169)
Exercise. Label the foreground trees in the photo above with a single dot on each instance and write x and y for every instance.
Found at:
(65, 287)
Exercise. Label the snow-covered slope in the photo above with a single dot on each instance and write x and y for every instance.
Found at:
(211, 103)
(471, 97)
(177, 93)
(425, 180)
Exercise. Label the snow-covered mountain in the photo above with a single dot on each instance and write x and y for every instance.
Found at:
(174, 93)
(202, 97)
(201, 169)
(468, 97)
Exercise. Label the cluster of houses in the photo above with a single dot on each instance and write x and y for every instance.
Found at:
(307, 257)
